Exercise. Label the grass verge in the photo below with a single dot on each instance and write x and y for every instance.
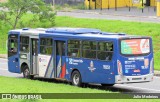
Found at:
(18, 85)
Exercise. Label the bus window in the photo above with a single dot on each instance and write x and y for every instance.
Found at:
(24, 44)
(12, 45)
(105, 50)
(46, 46)
(60, 48)
(89, 49)
(74, 48)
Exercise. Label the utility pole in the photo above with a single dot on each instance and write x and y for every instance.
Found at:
(89, 5)
(129, 6)
(108, 4)
(95, 4)
(101, 4)
(115, 5)
(142, 6)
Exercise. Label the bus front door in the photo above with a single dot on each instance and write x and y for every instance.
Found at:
(13, 53)
(60, 65)
(34, 57)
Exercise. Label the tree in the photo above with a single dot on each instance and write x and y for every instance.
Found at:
(13, 10)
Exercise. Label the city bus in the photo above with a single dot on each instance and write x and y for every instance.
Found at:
(80, 55)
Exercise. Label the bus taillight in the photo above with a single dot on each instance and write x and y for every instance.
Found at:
(119, 65)
(151, 66)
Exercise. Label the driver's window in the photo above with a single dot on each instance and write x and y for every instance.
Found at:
(12, 45)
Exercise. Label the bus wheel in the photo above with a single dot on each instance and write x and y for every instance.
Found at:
(26, 73)
(107, 84)
(76, 79)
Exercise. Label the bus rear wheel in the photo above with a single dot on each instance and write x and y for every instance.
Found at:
(26, 73)
(76, 78)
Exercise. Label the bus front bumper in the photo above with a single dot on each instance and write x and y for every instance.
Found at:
(131, 79)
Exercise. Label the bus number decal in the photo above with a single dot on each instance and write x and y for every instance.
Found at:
(106, 66)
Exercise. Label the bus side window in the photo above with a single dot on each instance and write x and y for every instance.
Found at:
(105, 50)
(24, 44)
(46, 46)
(13, 45)
(89, 49)
(74, 48)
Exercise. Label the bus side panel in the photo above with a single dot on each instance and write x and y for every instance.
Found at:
(92, 71)
(44, 65)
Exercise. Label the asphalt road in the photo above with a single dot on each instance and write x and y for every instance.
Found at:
(110, 16)
(147, 87)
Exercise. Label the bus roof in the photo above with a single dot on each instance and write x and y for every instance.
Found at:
(72, 32)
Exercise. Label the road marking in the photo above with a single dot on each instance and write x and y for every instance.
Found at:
(140, 88)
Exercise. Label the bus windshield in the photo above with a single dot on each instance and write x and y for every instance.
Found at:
(12, 45)
(135, 46)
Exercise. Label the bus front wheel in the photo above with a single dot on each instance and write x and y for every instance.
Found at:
(26, 73)
(76, 78)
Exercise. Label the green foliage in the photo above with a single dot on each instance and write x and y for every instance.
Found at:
(13, 10)
(19, 85)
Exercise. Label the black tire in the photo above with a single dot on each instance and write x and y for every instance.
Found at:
(76, 78)
(26, 73)
(107, 85)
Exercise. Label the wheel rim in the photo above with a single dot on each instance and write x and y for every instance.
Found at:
(76, 79)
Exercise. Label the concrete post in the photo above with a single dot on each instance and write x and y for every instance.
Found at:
(158, 7)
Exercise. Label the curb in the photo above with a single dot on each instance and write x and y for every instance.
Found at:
(3, 56)
(157, 73)
(100, 13)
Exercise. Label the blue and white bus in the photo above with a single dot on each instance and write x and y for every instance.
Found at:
(80, 55)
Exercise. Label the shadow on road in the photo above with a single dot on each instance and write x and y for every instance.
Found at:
(114, 88)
